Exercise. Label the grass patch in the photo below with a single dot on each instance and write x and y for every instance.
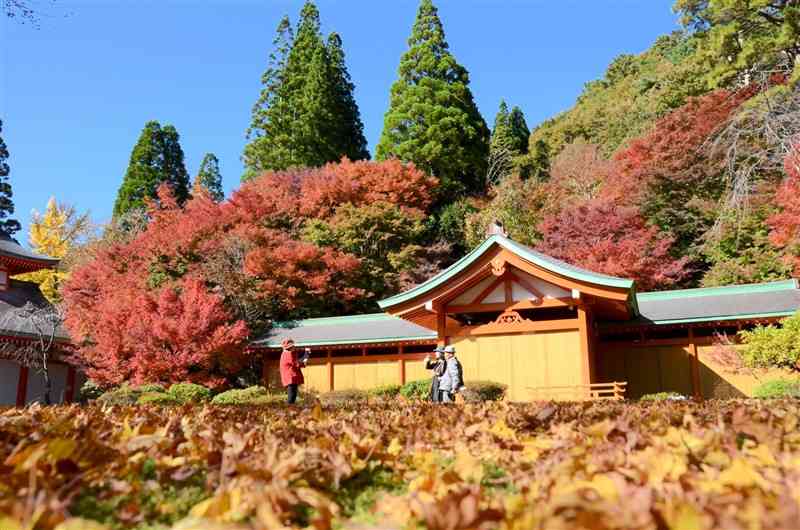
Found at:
(357, 495)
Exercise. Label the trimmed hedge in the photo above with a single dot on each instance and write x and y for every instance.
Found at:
(189, 393)
(123, 395)
(254, 395)
(778, 388)
(341, 397)
(416, 389)
(477, 391)
(385, 391)
(158, 398)
(151, 387)
(660, 396)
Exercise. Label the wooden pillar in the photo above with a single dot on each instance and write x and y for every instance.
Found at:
(22, 386)
(583, 330)
(441, 324)
(697, 389)
(69, 391)
(329, 363)
(401, 365)
(265, 368)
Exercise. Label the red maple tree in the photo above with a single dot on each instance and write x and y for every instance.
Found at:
(785, 225)
(605, 237)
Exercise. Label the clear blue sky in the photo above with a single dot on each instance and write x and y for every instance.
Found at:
(75, 94)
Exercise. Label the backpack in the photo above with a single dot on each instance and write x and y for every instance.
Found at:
(460, 382)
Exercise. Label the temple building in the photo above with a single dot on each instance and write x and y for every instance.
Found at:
(544, 328)
(21, 331)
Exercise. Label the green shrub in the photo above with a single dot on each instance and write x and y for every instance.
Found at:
(151, 387)
(416, 389)
(343, 397)
(89, 390)
(189, 393)
(661, 396)
(477, 391)
(254, 395)
(158, 398)
(385, 391)
(773, 346)
(777, 388)
(123, 395)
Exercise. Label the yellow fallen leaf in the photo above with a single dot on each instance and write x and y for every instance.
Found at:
(468, 467)
(683, 516)
(741, 474)
(61, 448)
(762, 454)
(7, 523)
(394, 447)
(77, 523)
(316, 412)
(502, 430)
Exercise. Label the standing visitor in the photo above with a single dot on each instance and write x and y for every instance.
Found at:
(437, 365)
(291, 370)
(453, 378)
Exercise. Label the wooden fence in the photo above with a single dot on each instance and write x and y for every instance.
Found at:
(594, 391)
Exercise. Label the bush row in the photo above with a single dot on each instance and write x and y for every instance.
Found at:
(182, 393)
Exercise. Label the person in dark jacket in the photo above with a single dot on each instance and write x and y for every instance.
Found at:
(291, 370)
(452, 381)
(437, 366)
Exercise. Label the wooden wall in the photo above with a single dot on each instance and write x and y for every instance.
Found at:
(651, 369)
(522, 361)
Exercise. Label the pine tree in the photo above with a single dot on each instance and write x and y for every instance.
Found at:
(306, 114)
(347, 117)
(272, 115)
(519, 130)
(54, 233)
(9, 226)
(432, 118)
(502, 136)
(157, 157)
(209, 178)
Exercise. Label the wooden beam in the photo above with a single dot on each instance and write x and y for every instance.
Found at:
(526, 284)
(697, 389)
(521, 327)
(487, 291)
(516, 306)
(22, 386)
(583, 328)
(508, 289)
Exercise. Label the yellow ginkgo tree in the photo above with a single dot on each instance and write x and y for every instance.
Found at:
(55, 233)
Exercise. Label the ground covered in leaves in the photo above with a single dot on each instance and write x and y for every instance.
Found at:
(397, 464)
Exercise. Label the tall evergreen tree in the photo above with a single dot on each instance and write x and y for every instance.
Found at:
(272, 115)
(209, 178)
(502, 136)
(347, 117)
(7, 225)
(156, 158)
(306, 114)
(432, 118)
(519, 130)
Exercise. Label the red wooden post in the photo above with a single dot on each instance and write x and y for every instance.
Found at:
(69, 391)
(401, 365)
(22, 386)
(330, 370)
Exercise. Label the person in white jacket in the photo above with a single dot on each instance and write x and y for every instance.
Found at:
(451, 380)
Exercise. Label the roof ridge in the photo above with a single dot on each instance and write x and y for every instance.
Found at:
(777, 285)
(341, 318)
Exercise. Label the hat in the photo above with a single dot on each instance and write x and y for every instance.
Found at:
(449, 349)
(438, 349)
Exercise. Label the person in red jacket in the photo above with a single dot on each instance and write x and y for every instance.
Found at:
(291, 370)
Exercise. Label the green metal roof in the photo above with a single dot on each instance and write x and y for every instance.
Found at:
(546, 262)
(375, 328)
(711, 304)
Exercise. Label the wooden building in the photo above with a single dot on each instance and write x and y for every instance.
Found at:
(543, 327)
(19, 383)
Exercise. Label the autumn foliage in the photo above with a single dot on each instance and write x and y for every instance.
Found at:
(178, 300)
(785, 225)
(605, 237)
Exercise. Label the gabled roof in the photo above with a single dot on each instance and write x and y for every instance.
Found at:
(710, 304)
(13, 319)
(374, 328)
(537, 258)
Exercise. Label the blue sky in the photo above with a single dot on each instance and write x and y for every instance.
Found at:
(75, 94)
